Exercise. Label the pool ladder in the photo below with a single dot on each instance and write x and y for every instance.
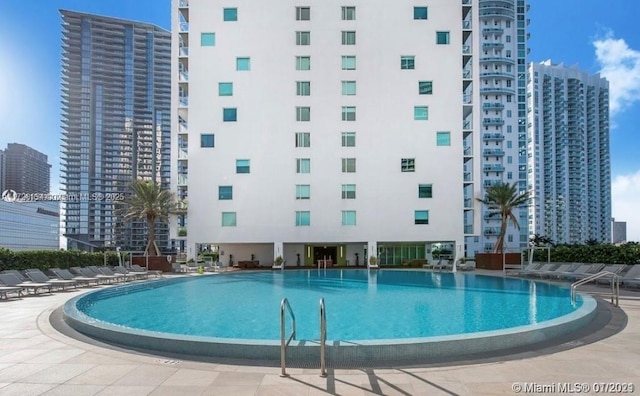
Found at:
(284, 341)
(615, 285)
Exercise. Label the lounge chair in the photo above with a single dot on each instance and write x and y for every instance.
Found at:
(5, 290)
(534, 272)
(135, 275)
(87, 273)
(468, 265)
(18, 275)
(106, 271)
(632, 276)
(135, 268)
(528, 268)
(11, 280)
(592, 270)
(556, 273)
(38, 276)
(66, 275)
(614, 269)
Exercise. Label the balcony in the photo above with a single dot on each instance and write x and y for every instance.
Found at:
(183, 128)
(492, 136)
(182, 232)
(466, 49)
(466, 25)
(489, 31)
(493, 152)
(184, 101)
(184, 76)
(183, 153)
(183, 3)
(498, 59)
(496, 74)
(468, 229)
(492, 106)
(184, 51)
(491, 231)
(184, 27)
(492, 46)
(468, 202)
(182, 180)
(493, 168)
(181, 206)
(497, 90)
(467, 176)
(492, 121)
(467, 125)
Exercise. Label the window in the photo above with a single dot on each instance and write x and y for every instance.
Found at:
(225, 192)
(228, 219)
(230, 14)
(243, 166)
(303, 88)
(421, 217)
(348, 165)
(425, 191)
(420, 13)
(303, 113)
(303, 165)
(348, 191)
(348, 13)
(348, 62)
(443, 139)
(303, 139)
(303, 38)
(442, 37)
(348, 217)
(303, 191)
(303, 13)
(421, 113)
(230, 114)
(425, 87)
(407, 62)
(225, 89)
(348, 87)
(348, 139)
(303, 218)
(206, 140)
(348, 38)
(408, 165)
(303, 63)
(243, 64)
(348, 113)
(207, 39)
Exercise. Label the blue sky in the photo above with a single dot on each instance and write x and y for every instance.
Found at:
(596, 35)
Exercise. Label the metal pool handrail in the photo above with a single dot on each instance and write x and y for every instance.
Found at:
(283, 344)
(615, 285)
(323, 339)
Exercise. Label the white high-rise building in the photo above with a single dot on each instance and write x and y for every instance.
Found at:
(501, 82)
(328, 129)
(569, 162)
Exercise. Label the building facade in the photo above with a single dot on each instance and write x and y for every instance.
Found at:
(501, 33)
(618, 231)
(26, 170)
(3, 171)
(325, 131)
(569, 161)
(30, 225)
(116, 84)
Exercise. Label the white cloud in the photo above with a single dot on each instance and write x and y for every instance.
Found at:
(625, 196)
(621, 66)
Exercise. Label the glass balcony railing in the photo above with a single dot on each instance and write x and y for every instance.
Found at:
(184, 51)
(183, 3)
(492, 121)
(184, 26)
(184, 101)
(183, 180)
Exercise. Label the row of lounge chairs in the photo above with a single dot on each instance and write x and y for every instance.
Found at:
(629, 275)
(447, 265)
(34, 281)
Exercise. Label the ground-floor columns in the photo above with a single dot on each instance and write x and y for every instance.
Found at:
(278, 250)
(372, 251)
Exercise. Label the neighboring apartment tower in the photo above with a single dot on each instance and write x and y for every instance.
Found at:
(30, 225)
(324, 131)
(26, 170)
(502, 85)
(116, 87)
(569, 160)
(618, 231)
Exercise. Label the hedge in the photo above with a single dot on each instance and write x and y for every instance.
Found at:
(628, 253)
(45, 259)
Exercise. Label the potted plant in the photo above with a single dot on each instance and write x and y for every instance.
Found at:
(279, 260)
(373, 260)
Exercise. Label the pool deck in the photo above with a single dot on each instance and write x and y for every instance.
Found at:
(36, 359)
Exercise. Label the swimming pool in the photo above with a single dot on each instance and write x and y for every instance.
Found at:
(373, 309)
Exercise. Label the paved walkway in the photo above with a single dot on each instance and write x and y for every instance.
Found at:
(35, 359)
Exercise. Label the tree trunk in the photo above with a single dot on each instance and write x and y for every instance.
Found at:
(503, 230)
(152, 249)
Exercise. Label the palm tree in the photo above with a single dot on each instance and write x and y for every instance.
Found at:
(501, 199)
(149, 202)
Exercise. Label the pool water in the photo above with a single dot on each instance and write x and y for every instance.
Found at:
(360, 304)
